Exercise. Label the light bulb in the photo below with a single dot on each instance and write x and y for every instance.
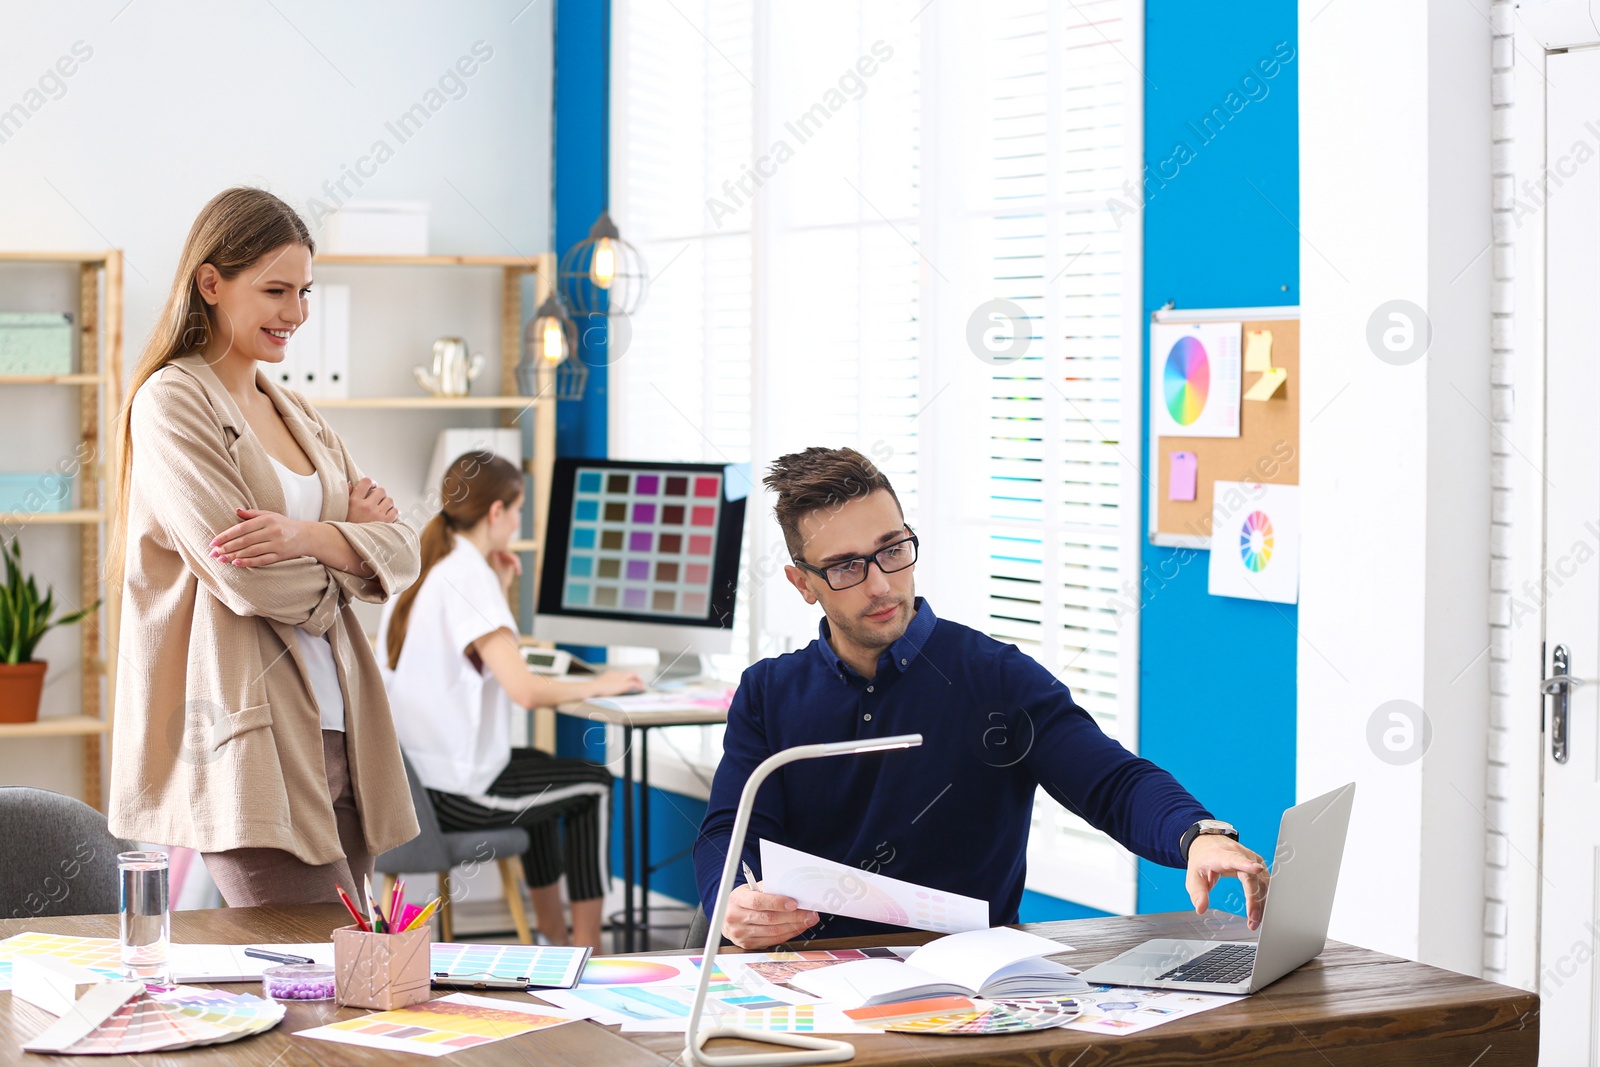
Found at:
(603, 267)
(554, 343)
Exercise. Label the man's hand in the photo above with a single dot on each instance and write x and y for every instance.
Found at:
(1214, 856)
(761, 920)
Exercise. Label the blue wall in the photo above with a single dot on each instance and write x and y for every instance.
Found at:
(1217, 679)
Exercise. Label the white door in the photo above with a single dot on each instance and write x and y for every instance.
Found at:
(1569, 920)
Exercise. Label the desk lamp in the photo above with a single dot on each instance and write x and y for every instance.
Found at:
(817, 1049)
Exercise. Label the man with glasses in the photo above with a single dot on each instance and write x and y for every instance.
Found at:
(954, 813)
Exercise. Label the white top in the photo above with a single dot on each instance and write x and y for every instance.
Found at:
(302, 494)
(453, 719)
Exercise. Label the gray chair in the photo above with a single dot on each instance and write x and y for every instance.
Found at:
(699, 927)
(56, 856)
(435, 851)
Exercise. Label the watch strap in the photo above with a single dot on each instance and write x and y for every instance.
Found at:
(1195, 831)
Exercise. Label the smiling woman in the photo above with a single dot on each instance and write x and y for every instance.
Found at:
(243, 531)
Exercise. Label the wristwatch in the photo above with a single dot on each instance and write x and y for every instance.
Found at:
(1204, 826)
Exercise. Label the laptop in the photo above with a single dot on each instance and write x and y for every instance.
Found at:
(1294, 924)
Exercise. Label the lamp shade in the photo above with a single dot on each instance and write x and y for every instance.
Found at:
(603, 272)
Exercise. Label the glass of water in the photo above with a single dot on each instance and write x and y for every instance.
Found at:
(145, 918)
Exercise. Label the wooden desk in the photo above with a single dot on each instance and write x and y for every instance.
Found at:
(1349, 1006)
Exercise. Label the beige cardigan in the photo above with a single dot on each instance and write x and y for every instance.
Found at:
(218, 744)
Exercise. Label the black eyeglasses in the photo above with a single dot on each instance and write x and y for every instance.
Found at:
(896, 556)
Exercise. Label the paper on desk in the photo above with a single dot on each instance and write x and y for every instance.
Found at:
(696, 698)
(824, 885)
(228, 963)
(1119, 1010)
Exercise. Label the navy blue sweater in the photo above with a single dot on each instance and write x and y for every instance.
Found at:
(953, 813)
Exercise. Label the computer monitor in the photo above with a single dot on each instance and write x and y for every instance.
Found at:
(642, 554)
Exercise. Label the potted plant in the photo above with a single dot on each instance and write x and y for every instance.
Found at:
(24, 619)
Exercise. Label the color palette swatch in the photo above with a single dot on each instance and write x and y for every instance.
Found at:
(99, 954)
(1255, 541)
(1186, 380)
(534, 966)
(441, 1026)
(178, 1017)
(642, 542)
(963, 1017)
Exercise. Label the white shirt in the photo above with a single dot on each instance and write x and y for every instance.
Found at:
(453, 720)
(302, 494)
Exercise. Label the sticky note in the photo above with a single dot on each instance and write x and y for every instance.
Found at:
(1180, 484)
(1258, 350)
(1268, 384)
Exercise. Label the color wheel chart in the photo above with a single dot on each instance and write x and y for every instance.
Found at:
(1186, 381)
(642, 542)
(1255, 541)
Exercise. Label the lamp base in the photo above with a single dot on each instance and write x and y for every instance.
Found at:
(816, 1049)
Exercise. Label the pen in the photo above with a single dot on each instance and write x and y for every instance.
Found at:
(749, 875)
(277, 957)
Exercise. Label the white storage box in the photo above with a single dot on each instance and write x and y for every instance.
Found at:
(377, 228)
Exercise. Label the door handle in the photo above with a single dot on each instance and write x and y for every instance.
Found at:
(1559, 685)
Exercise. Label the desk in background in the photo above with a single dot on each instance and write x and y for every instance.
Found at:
(1349, 1006)
(636, 921)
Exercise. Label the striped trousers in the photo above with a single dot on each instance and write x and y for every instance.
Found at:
(562, 803)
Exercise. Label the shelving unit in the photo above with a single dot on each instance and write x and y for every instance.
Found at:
(538, 467)
(98, 382)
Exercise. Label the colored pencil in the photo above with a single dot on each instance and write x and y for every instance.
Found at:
(350, 905)
(372, 905)
(424, 915)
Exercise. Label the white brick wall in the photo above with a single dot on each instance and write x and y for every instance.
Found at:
(1497, 853)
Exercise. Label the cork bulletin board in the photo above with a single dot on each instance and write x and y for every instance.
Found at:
(1266, 450)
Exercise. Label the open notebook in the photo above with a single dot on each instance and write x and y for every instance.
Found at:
(1000, 962)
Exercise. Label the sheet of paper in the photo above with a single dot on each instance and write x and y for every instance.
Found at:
(1255, 541)
(228, 963)
(1119, 1010)
(1195, 379)
(824, 885)
(99, 954)
(697, 698)
(789, 1019)
(1268, 384)
(440, 1027)
(1181, 480)
(1257, 350)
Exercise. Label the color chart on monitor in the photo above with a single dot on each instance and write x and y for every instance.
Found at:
(642, 542)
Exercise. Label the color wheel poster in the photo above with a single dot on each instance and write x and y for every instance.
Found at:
(1195, 379)
(1255, 541)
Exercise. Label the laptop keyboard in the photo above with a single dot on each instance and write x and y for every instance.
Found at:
(1224, 965)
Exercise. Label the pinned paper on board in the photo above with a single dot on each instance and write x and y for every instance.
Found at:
(1198, 369)
(1258, 359)
(1255, 541)
(1258, 350)
(1181, 480)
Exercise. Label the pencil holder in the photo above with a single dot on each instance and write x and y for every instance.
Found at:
(381, 971)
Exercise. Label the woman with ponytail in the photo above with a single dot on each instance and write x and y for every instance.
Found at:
(454, 671)
(252, 724)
